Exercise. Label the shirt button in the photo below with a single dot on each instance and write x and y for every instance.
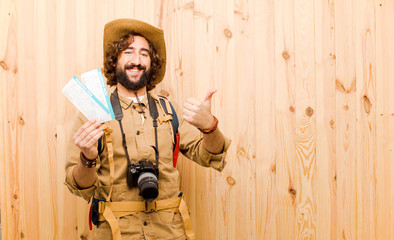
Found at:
(138, 132)
(145, 223)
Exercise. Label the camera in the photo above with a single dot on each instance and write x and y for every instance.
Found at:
(144, 174)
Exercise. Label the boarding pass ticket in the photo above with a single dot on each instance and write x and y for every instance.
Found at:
(89, 95)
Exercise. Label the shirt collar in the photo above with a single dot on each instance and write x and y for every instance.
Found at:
(126, 102)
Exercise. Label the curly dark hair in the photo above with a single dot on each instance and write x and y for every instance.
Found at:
(114, 51)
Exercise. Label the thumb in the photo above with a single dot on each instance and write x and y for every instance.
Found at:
(209, 94)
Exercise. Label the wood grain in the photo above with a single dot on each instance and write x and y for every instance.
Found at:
(305, 129)
(366, 116)
(346, 120)
(384, 121)
(11, 183)
(326, 177)
(262, 18)
(287, 169)
(304, 92)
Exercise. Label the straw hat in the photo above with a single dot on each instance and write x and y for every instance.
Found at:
(116, 29)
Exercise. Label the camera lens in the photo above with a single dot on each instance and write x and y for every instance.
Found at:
(147, 183)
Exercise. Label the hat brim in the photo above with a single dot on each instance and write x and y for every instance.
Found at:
(116, 29)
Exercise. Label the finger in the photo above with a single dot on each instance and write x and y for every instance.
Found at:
(188, 113)
(87, 135)
(90, 145)
(93, 141)
(190, 107)
(209, 95)
(187, 119)
(84, 126)
(86, 130)
(193, 101)
(89, 149)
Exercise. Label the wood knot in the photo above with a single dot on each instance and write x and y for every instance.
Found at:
(292, 109)
(309, 111)
(179, 72)
(367, 104)
(21, 120)
(15, 196)
(4, 65)
(340, 87)
(332, 122)
(292, 192)
(228, 33)
(22, 235)
(346, 107)
(231, 180)
(55, 135)
(273, 168)
(285, 55)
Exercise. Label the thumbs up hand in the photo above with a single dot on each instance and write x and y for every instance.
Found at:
(198, 113)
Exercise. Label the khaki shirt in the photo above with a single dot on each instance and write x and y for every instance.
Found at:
(140, 138)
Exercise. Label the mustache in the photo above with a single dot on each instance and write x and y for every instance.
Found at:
(139, 66)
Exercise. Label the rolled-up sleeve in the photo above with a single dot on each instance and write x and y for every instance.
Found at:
(215, 161)
(72, 159)
(85, 193)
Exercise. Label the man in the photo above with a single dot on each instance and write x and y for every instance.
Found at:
(128, 165)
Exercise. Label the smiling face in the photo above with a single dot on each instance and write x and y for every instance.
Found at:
(132, 68)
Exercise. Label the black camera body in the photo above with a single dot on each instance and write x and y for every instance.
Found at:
(144, 175)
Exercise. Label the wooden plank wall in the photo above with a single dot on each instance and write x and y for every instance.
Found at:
(305, 92)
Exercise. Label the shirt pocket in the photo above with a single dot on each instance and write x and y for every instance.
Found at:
(118, 192)
(170, 217)
(165, 139)
(130, 224)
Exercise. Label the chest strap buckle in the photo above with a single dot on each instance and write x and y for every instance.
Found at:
(150, 206)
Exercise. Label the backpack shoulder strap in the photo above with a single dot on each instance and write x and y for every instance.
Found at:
(174, 121)
(175, 125)
(100, 147)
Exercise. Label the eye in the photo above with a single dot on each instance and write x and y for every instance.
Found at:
(144, 54)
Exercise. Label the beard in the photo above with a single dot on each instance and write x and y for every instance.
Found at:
(125, 81)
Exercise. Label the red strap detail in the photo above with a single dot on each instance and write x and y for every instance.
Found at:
(176, 150)
(90, 217)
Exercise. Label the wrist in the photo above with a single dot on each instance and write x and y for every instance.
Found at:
(88, 163)
(212, 129)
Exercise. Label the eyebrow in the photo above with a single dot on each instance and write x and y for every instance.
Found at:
(142, 49)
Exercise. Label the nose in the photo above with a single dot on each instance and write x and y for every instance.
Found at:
(135, 59)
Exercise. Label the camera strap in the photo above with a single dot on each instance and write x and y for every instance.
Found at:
(119, 116)
(154, 114)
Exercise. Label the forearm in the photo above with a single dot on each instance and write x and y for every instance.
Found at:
(83, 176)
(214, 142)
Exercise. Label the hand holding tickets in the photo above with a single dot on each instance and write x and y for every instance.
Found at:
(90, 96)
